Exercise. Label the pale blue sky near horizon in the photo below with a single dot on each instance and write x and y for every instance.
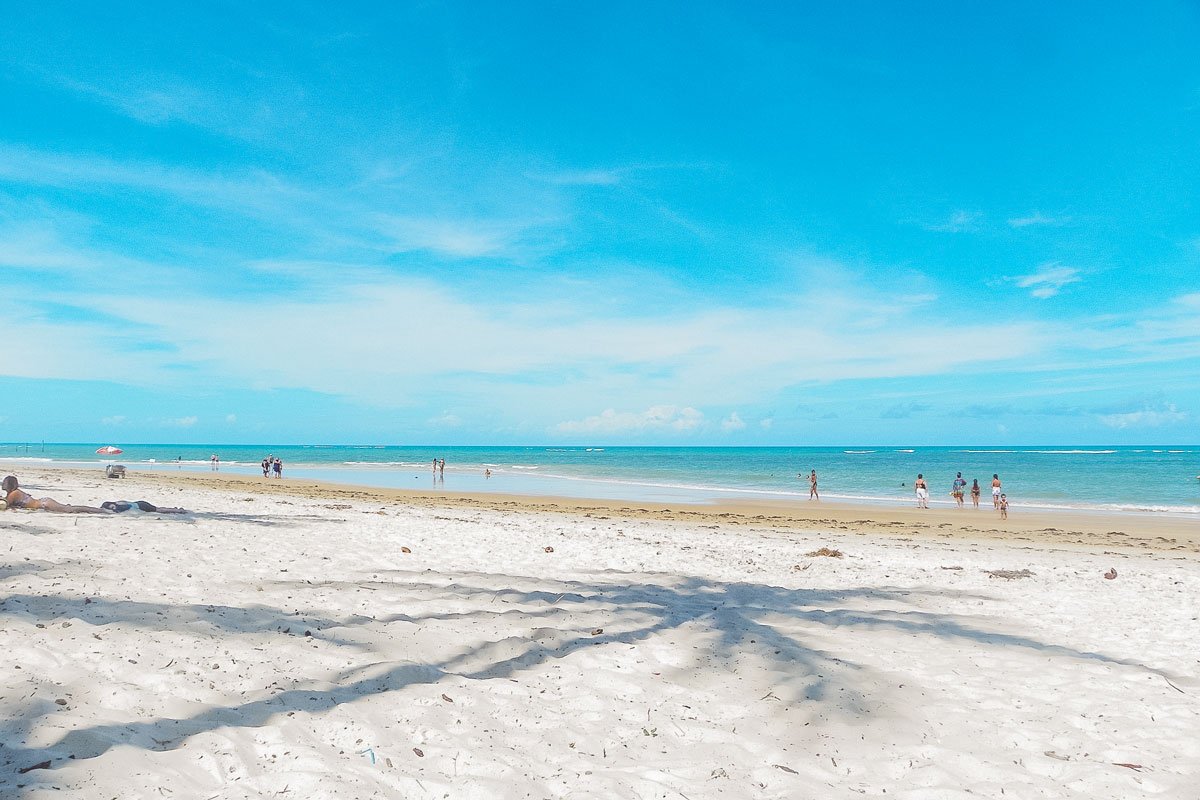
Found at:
(623, 223)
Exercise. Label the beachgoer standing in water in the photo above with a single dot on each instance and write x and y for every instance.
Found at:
(975, 493)
(1003, 506)
(995, 491)
(922, 491)
(812, 486)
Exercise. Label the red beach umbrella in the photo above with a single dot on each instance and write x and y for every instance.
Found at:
(109, 450)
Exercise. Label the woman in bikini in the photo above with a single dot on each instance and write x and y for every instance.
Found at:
(18, 498)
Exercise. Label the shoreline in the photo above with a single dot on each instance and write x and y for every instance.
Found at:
(1073, 528)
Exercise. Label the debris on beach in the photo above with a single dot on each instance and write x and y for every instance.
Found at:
(1009, 574)
(825, 551)
(1111, 574)
(405, 550)
(548, 549)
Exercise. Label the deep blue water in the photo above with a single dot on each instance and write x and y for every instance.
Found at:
(1151, 478)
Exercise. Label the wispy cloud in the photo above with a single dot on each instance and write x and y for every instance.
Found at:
(653, 420)
(589, 177)
(960, 221)
(1148, 416)
(1048, 280)
(460, 238)
(1037, 218)
(904, 410)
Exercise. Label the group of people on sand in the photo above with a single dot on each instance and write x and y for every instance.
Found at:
(16, 497)
(272, 465)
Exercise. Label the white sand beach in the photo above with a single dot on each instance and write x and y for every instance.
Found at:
(290, 640)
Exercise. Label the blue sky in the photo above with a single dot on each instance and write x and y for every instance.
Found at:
(617, 223)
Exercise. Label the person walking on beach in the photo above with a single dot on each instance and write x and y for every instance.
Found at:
(442, 468)
(1003, 506)
(812, 486)
(975, 493)
(278, 466)
(995, 491)
(959, 486)
(266, 467)
(922, 491)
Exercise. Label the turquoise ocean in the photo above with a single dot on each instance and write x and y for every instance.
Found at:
(1160, 479)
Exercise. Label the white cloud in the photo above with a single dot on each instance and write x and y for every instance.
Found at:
(446, 420)
(459, 238)
(184, 422)
(1189, 301)
(231, 418)
(766, 424)
(958, 222)
(117, 419)
(592, 177)
(1149, 416)
(1036, 218)
(1048, 280)
(654, 419)
(732, 423)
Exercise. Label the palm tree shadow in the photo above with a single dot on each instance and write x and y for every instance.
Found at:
(730, 615)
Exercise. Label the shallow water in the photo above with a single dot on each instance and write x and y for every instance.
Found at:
(1146, 478)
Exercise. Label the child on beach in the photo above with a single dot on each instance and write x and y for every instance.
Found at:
(1003, 506)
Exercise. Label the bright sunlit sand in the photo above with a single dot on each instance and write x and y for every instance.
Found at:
(311, 641)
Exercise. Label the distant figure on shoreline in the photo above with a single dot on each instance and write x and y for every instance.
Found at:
(442, 468)
(812, 486)
(959, 485)
(922, 491)
(995, 491)
(215, 461)
(278, 467)
(487, 473)
(1003, 506)
(975, 493)
(435, 466)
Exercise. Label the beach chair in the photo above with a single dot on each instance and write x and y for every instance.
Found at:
(114, 471)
